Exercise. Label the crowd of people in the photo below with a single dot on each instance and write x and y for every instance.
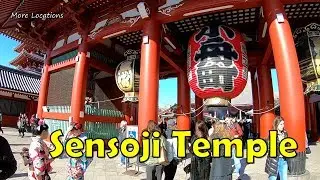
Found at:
(207, 168)
(25, 124)
(38, 160)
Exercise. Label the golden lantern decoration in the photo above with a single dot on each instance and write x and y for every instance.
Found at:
(127, 76)
(307, 40)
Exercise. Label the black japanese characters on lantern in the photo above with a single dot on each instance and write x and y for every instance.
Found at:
(215, 56)
(217, 62)
(214, 76)
(214, 47)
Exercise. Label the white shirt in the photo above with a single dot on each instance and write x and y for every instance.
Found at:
(210, 131)
(171, 146)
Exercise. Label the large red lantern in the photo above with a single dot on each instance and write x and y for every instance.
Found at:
(217, 64)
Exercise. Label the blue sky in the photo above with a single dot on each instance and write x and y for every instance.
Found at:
(167, 88)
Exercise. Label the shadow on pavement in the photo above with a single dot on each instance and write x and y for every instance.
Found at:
(19, 175)
(19, 144)
(245, 177)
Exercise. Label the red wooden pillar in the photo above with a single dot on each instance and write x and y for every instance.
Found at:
(266, 101)
(183, 120)
(313, 119)
(44, 86)
(126, 109)
(199, 103)
(149, 74)
(80, 83)
(256, 103)
(289, 78)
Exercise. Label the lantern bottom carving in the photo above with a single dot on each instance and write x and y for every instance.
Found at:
(217, 101)
(131, 97)
(313, 87)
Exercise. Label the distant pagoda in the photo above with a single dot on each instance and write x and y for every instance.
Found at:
(29, 59)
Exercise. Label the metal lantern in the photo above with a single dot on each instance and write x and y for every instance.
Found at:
(217, 64)
(127, 76)
(307, 40)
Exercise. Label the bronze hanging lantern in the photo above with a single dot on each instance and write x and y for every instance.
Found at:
(307, 40)
(127, 76)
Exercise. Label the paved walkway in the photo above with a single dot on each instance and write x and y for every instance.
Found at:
(108, 169)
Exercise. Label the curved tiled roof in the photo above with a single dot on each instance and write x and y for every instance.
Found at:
(19, 81)
(23, 54)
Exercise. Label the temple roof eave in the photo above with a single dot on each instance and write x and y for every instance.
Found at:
(19, 81)
(23, 54)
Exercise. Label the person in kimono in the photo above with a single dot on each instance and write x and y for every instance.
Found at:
(76, 167)
(39, 157)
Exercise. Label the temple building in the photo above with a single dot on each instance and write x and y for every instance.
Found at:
(19, 93)
(19, 87)
(28, 60)
(104, 60)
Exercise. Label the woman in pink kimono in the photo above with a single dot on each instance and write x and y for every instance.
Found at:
(39, 166)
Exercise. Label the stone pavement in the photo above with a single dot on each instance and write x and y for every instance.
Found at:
(108, 169)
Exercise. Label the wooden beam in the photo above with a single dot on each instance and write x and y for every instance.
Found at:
(169, 39)
(255, 57)
(298, 1)
(177, 14)
(59, 116)
(165, 55)
(62, 65)
(267, 55)
(57, 21)
(19, 3)
(205, 7)
(104, 119)
(262, 33)
(101, 66)
(65, 48)
(117, 28)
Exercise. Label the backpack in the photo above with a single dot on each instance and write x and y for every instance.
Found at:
(25, 156)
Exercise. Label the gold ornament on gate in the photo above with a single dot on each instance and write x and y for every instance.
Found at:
(127, 76)
(307, 40)
(217, 102)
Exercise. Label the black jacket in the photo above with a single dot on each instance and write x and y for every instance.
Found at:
(272, 163)
(8, 164)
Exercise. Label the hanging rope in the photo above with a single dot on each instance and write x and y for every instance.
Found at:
(253, 112)
(186, 113)
(199, 112)
(108, 100)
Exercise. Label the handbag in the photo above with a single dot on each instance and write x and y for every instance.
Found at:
(187, 169)
(163, 159)
(308, 150)
(46, 176)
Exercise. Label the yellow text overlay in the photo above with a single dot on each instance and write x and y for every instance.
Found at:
(151, 145)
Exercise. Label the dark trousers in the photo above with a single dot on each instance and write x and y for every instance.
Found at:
(21, 131)
(154, 172)
(170, 170)
(1, 128)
